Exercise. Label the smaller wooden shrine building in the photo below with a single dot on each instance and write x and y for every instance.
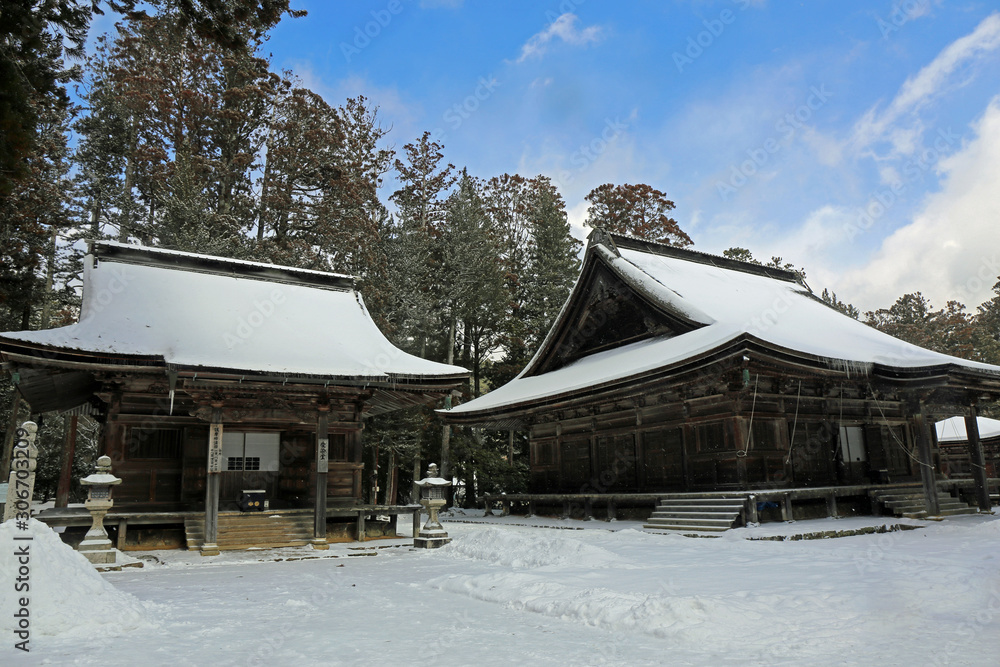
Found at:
(953, 441)
(672, 371)
(215, 377)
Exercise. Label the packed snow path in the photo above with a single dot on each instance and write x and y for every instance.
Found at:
(503, 594)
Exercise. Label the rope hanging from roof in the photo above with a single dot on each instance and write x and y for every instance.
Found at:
(753, 406)
(899, 443)
(795, 423)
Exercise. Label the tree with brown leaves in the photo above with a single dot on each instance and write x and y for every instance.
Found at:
(636, 210)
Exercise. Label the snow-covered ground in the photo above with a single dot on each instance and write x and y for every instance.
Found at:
(505, 594)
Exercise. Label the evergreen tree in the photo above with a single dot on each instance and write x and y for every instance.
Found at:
(846, 308)
(415, 249)
(554, 260)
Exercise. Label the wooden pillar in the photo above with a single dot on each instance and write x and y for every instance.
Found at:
(977, 460)
(361, 526)
(416, 521)
(924, 447)
(212, 478)
(752, 509)
(741, 429)
(322, 469)
(109, 430)
(393, 479)
(831, 505)
(122, 527)
(786, 508)
(687, 436)
(414, 489)
(68, 452)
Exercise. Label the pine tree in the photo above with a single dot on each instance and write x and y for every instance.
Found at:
(554, 260)
(415, 252)
(846, 308)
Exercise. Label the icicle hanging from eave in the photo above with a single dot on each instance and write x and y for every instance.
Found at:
(852, 368)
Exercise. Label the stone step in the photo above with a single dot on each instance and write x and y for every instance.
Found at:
(683, 514)
(703, 502)
(687, 530)
(246, 531)
(719, 523)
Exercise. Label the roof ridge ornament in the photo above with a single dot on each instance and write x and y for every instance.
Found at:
(601, 236)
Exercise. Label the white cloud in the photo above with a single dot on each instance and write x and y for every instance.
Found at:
(951, 248)
(564, 28)
(929, 82)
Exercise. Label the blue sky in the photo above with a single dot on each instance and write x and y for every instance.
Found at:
(859, 140)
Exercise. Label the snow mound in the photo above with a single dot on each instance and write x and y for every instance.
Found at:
(67, 597)
(524, 550)
(686, 620)
(655, 614)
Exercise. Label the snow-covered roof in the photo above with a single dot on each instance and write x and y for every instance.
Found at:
(196, 311)
(725, 300)
(953, 429)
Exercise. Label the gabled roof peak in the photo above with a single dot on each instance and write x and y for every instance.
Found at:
(614, 241)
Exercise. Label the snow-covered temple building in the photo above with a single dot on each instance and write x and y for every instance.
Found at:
(671, 373)
(215, 377)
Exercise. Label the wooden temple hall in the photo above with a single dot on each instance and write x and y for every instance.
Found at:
(224, 387)
(719, 392)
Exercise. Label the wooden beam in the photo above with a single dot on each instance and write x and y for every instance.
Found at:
(210, 546)
(361, 526)
(322, 469)
(977, 460)
(926, 462)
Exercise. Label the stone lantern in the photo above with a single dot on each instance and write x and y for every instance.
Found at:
(432, 489)
(96, 546)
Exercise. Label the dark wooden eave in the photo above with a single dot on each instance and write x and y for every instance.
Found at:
(943, 382)
(41, 371)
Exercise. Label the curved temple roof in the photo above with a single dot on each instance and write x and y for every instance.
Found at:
(159, 307)
(726, 300)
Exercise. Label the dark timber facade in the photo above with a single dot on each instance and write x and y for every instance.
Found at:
(213, 377)
(633, 393)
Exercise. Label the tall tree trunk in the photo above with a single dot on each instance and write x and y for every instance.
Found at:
(125, 225)
(50, 271)
(446, 429)
(96, 210)
(66, 460)
(262, 209)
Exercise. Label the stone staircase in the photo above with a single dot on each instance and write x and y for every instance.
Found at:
(909, 501)
(704, 515)
(246, 530)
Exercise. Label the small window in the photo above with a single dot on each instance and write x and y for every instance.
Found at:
(251, 451)
(160, 443)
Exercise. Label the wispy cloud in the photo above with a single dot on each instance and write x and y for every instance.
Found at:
(928, 83)
(564, 28)
(948, 249)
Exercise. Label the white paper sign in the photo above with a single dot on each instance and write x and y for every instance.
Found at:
(215, 448)
(323, 455)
